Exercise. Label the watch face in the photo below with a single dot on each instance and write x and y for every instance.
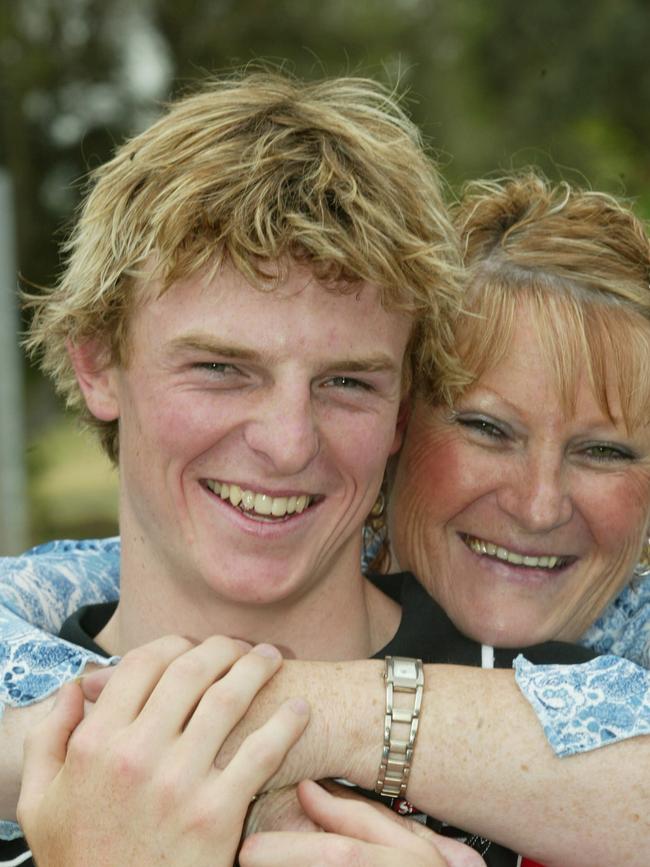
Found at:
(404, 668)
(405, 673)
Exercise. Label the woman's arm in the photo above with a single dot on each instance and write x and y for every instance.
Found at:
(481, 761)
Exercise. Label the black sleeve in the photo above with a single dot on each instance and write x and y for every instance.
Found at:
(549, 653)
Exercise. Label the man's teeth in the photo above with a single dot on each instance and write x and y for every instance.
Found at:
(261, 504)
(479, 546)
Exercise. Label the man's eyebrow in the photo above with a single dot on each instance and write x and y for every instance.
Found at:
(201, 343)
(376, 362)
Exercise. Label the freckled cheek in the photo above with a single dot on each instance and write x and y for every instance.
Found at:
(429, 463)
(425, 489)
(443, 475)
(620, 513)
(181, 428)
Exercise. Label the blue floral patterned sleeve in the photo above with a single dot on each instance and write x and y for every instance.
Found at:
(38, 591)
(582, 707)
(41, 589)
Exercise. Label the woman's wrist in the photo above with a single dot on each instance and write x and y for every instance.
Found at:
(345, 733)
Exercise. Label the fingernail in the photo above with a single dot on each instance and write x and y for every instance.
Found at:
(299, 706)
(245, 645)
(267, 650)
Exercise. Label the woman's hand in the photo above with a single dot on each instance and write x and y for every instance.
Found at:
(360, 832)
(135, 782)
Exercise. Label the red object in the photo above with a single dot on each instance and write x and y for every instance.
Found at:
(526, 862)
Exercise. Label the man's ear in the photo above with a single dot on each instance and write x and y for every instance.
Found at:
(403, 416)
(96, 378)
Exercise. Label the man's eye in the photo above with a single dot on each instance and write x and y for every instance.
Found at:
(607, 453)
(218, 368)
(483, 426)
(346, 382)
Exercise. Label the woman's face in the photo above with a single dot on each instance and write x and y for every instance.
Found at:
(522, 522)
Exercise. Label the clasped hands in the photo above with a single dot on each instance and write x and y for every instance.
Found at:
(134, 781)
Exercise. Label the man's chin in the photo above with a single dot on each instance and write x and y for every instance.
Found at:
(257, 587)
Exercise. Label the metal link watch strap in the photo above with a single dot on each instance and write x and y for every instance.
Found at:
(404, 687)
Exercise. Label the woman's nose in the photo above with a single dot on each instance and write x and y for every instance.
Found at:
(536, 494)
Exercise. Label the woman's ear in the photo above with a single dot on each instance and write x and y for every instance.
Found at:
(97, 378)
(403, 416)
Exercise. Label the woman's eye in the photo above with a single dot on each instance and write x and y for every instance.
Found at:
(606, 453)
(482, 426)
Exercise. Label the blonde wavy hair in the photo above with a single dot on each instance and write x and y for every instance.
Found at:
(257, 168)
(582, 259)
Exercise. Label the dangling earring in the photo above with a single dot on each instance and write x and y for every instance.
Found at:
(644, 560)
(376, 546)
(376, 520)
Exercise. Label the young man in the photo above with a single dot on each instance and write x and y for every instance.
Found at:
(238, 319)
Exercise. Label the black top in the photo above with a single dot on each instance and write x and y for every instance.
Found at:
(425, 632)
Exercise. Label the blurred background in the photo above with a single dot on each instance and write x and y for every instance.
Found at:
(494, 84)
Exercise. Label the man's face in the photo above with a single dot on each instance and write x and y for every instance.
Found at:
(254, 430)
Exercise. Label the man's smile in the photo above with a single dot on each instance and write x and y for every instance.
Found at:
(262, 504)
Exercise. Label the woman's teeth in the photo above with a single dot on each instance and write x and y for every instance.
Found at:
(261, 504)
(479, 546)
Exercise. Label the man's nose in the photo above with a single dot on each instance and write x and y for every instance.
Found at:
(284, 431)
(535, 493)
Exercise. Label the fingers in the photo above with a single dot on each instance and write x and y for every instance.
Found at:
(93, 683)
(284, 849)
(133, 681)
(183, 685)
(374, 823)
(223, 705)
(112, 772)
(355, 818)
(263, 751)
(45, 747)
(160, 683)
(186, 700)
(457, 854)
(200, 698)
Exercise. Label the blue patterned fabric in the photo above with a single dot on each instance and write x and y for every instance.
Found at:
(41, 588)
(586, 706)
(624, 628)
(580, 707)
